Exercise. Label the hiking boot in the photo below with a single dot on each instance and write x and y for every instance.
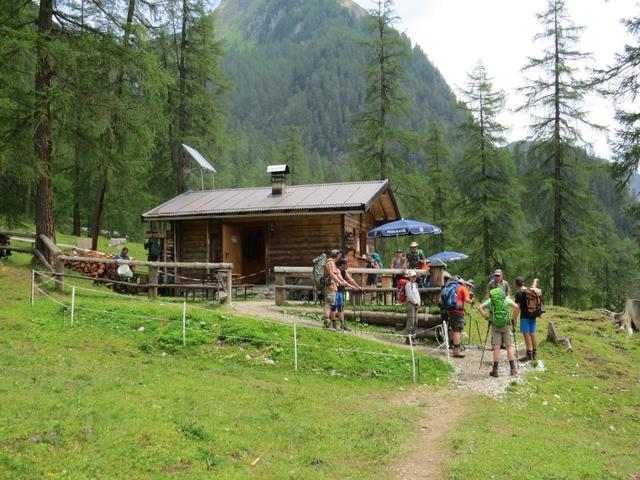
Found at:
(344, 327)
(533, 355)
(457, 352)
(326, 324)
(513, 371)
(494, 372)
(527, 357)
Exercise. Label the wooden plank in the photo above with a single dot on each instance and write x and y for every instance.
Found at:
(114, 261)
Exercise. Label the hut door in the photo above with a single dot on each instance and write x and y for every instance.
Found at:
(232, 246)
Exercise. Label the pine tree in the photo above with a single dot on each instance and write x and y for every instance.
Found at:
(555, 99)
(294, 155)
(489, 211)
(378, 133)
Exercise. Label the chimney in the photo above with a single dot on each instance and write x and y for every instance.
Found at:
(278, 178)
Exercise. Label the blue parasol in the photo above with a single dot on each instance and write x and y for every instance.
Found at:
(403, 227)
(447, 256)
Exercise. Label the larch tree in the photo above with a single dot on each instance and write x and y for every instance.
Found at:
(488, 207)
(554, 99)
(621, 83)
(197, 110)
(379, 136)
(439, 179)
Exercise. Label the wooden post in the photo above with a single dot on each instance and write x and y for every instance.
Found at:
(437, 273)
(59, 274)
(281, 293)
(386, 283)
(229, 286)
(152, 292)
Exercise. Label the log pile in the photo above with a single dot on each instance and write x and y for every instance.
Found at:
(91, 269)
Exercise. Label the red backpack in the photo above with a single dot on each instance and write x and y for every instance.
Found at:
(402, 294)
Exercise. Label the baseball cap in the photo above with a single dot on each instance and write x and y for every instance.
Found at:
(335, 252)
(497, 272)
(413, 244)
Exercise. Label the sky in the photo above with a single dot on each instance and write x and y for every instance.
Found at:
(455, 34)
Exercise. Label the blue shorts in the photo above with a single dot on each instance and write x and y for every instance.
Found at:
(339, 303)
(528, 325)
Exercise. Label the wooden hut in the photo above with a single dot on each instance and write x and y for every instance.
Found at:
(259, 228)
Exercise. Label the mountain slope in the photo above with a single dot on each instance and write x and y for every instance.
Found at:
(300, 62)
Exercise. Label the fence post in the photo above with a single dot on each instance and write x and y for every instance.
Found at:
(33, 284)
(281, 293)
(445, 331)
(184, 323)
(295, 347)
(73, 304)
(153, 280)
(413, 358)
(229, 286)
(59, 274)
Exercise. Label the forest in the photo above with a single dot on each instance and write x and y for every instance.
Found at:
(97, 97)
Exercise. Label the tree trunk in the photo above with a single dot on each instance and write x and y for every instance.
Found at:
(111, 138)
(77, 230)
(42, 129)
(558, 252)
(181, 167)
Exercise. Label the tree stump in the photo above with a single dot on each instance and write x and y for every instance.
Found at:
(552, 336)
(629, 321)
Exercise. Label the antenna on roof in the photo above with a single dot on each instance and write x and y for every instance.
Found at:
(203, 163)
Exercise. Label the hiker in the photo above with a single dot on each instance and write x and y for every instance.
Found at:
(341, 293)
(123, 255)
(502, 326)
(498, 281)
(413, 303)
(398, 262)
(372, 279)
(530, 302)
(453, 297)
(332, 281)
(414, 255)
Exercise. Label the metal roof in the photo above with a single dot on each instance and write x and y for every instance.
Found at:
(325, 197)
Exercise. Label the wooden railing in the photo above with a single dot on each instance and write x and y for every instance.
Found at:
(437, 272)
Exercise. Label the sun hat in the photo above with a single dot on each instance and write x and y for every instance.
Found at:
(497, 272)
(412, 273)
(413, 244)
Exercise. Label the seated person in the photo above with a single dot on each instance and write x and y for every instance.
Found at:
(123, 255)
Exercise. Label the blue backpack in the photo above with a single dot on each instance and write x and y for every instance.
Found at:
(449, 297)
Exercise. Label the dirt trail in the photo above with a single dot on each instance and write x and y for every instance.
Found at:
(442, 410)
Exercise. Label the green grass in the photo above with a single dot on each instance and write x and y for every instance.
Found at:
(578, 419)
(103, 399)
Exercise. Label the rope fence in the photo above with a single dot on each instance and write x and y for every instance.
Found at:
(295, 342)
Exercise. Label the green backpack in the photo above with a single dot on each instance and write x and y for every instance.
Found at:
(500, 313)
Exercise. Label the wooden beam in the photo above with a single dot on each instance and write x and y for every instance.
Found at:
(53, 248)
(117, 261)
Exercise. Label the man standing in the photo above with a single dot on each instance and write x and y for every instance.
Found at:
(454, 295)
(528, 313)
(399, 263)
(414, 256)
(332, 280)
(502, 325)
(341, 293)
(499, 282)
(413, 303)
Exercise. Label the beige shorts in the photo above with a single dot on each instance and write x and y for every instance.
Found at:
(329, 296)
(501, 335)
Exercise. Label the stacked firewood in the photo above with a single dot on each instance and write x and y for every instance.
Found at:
(91, 269)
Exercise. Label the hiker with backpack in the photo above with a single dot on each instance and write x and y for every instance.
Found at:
(453, 297)
(414, 255)
(530, 302)
(412, 296)
(330, 281)
(341, 293)
(502, 326)
(498, 281)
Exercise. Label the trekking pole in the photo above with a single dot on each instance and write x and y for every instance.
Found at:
(484, 345)
(515, 342)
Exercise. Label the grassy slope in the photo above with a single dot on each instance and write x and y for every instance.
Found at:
(579, 419)
(103, 400)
